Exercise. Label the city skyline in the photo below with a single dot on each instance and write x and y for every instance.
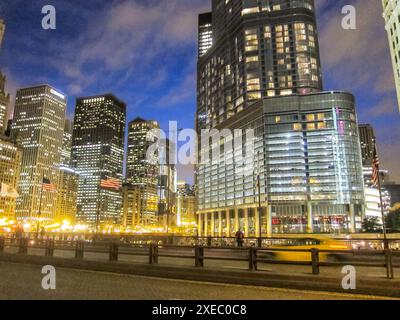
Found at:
(376, 98)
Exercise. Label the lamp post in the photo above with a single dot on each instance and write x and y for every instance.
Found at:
(259, 201)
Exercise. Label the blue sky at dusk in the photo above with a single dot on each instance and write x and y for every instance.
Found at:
(145, 53)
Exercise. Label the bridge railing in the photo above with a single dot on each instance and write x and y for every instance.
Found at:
(254, 256)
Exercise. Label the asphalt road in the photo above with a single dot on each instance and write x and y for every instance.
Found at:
(23, 282)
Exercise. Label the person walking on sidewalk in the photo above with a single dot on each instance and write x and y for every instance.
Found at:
(239, 238)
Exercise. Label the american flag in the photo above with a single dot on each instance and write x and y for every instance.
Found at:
(47, 185)
(375, 169)
(111, 183)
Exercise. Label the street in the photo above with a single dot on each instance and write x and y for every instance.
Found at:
(23, 282)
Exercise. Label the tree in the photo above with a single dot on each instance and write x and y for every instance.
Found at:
(393, 219)
(371, 224)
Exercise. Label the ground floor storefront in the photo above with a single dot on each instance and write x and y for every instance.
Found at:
(276, 220)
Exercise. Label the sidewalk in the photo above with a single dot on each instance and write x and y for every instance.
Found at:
(375, 286)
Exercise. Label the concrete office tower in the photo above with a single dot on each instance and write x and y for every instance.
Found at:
(132, 207)
(10, 164)
(142, 172)
(205, 33)
(97, 156)
(38, 128)
(306, 150)
(4, 104)
(391, 13)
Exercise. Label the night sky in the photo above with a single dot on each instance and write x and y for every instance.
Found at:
(145, 53)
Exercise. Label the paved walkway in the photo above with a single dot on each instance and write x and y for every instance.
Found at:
(20, 281)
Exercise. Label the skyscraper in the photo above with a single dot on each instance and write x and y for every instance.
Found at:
(260, 49)
(167, 185)
(38, 128)
(97, 156)
(68, 180)
(141, 171)
(301, 164)
(367, 140)
(132, 206)
(4, 103)
(391, 12)
(205, 33)
(10, 164)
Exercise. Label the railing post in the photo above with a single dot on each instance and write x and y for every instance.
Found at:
(315, 261)
(151, 250)
(209, 241)
(252, 259)
(155, 254)
(199, 256)
(79, 250)
(389, 264)
(23, 246)
(2, 244)
(259, 242)
(113, 252)
(49, 252)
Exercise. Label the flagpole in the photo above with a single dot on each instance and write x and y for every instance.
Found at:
(385, 239)
(40, 208)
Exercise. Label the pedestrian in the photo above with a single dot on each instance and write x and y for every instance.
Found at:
(239, 238)
(42, 233)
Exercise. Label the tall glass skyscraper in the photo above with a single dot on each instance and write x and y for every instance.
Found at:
(98, 156)
(261, 48)
(38, 128)
(262, 77)
(391, 13)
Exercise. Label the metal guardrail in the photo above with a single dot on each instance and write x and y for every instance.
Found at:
(252, 255)
(357, 243)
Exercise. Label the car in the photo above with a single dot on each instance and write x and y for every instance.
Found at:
(320, 243)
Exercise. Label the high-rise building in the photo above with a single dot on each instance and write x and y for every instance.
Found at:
(167, 185)
(97, 156)
(260, 49)
(368, 141)
(262, 78)
(66, 150)
(4, 103)
(391, 13)
(186, 206)
(132, 207)
(10, 163)
(2, 31)
(68, 180)
(307, 153)
(205, 33)
(38, 128)
(141, 171)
